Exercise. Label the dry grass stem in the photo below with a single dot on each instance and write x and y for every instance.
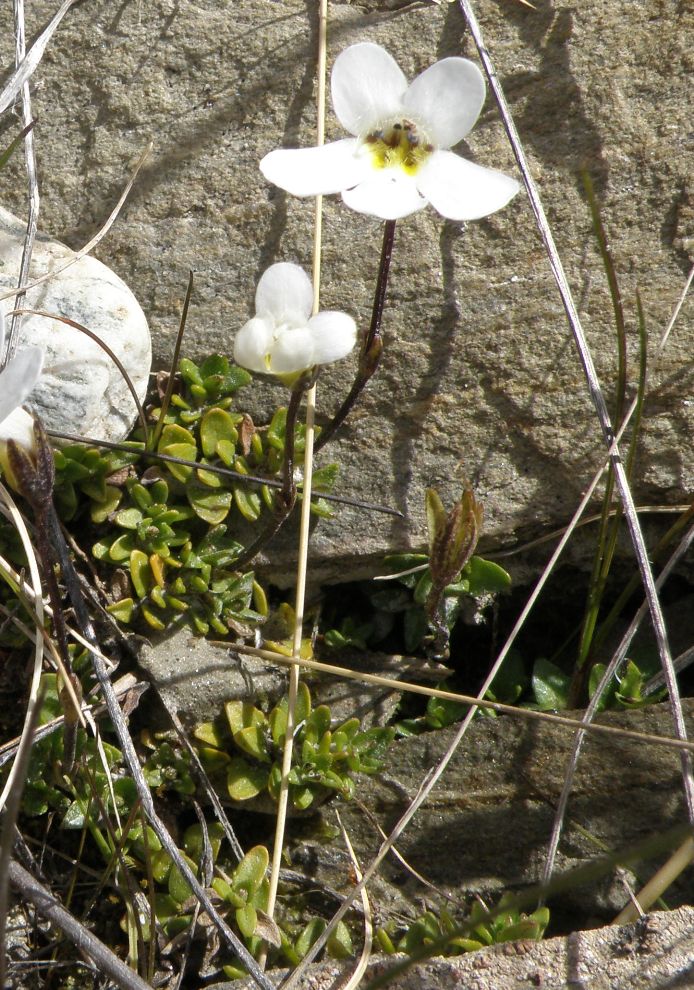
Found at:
(356, 977)
(302, 561)
(8, 506)
(598, 400)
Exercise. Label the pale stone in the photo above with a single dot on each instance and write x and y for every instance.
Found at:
(81, 390)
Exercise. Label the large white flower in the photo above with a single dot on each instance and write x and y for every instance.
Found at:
(283, 338)
(17, 380)
(398, 160)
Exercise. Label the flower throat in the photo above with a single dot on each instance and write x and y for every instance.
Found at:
(399, 146)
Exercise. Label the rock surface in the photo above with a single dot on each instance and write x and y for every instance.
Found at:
(486, 825)
(81, 390)
(656, 951)
(480, 379)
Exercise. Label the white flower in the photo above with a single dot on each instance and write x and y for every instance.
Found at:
(398, 160)
(17, 380)
(283, 338)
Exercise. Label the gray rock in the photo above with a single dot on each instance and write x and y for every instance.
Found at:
(485, 827)
(80, 390)
(479, 379)
(656, 951)
(195, 677)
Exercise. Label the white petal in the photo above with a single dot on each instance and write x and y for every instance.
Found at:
(446, 100)
(2, 333)
(367, 87)
(19, 426)
(334, 336)
(391, 194)
(18, 379)
(293, 351)
(284, 293)
(327, 169)
(253, 342)
(460, 190)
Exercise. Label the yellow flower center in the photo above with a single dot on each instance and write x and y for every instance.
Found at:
(399, 145)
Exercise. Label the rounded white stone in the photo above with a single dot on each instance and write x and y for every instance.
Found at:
(81, 390)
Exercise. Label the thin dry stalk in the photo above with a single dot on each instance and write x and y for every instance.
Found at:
(598, 400)
(621, 652)
(356, 977)
(302, 561)
(658, 884)
(9, 507)
(30, 61)
(34, 198)
(50, 908)
(435, 773)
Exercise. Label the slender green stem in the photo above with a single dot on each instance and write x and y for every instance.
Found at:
(372, 344)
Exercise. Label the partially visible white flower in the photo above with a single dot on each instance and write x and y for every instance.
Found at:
(283, 338)
(17, 380)
(399, 158)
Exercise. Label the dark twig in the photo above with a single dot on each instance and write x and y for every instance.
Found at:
(286, 496)
(372, 345)
(44, 459)
(35, 474)
(8, 828)
(250, 479)
(50, 908)
(174, 365)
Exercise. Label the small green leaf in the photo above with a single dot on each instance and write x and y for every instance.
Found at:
(245, 781)
(252, 740)
(211, 505)
(121, 548)
(122, 611)
(312, 931)
(140, 573)
(250, 872)
(215, 426)
(485, 577)
(550, 686)
(246, 919)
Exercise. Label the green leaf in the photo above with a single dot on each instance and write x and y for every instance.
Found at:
(179, 888)
(128, 518)
(250, 872)
(248, 503)
(253, 741)
(339, 944)
(215, 426)
(121, 548)
(312, 931)
(210, 505)
(246, 919)
(485, 577)
(245, 781)
(140, 573)
(436, 516)
(240, 714)
(122, 611)
(550, 686)
(101, 510)
(193, 840)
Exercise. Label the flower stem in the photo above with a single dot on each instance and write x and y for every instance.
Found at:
(286, 496)
(372, 344)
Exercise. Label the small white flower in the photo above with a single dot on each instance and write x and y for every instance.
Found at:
(283, 338)
(398, 160)
(17, 380)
